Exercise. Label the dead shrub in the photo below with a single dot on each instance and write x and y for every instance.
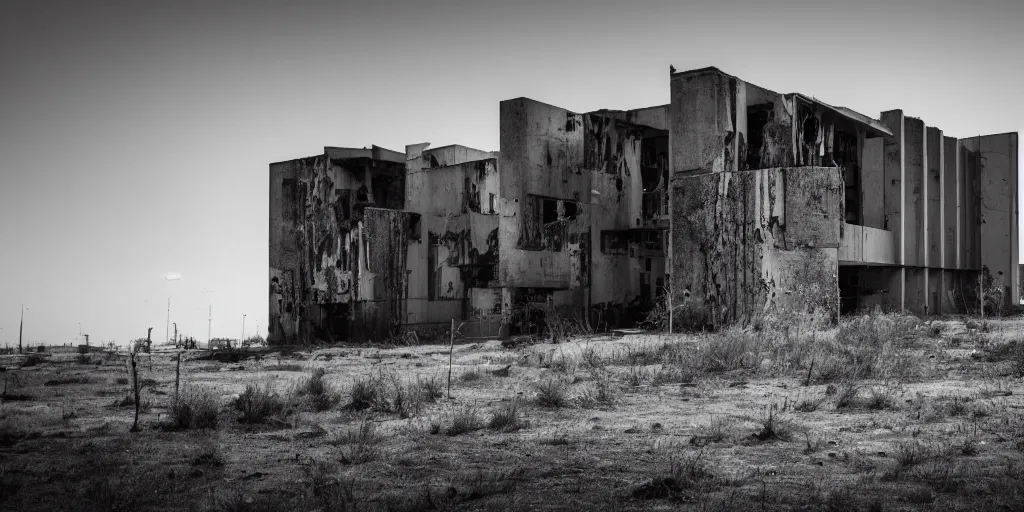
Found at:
(260, 402)
(846, 394)
(809, 404)
(316, 391)
(686, 472)
(552, 393)
(718, 429)
(195, 407)
(359, 444)
(507, 417)
(881, 398)
(910, 454)
(602, 392)
(774, 426)
(462, 420)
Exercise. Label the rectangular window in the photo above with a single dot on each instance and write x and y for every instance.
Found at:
(490, 202)
(546, 222)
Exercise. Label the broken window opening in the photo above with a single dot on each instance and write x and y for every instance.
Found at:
(549, 211)
(570, 209)
(490, 202)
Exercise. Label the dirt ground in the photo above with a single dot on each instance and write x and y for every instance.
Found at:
(744, 420)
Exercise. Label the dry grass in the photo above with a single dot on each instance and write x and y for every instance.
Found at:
(892, 414)
(196, 407)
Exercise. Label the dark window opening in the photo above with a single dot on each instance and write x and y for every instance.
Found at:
(571, 209)
(549, 211)
(491, 202)
(415, 228)
(757, 118)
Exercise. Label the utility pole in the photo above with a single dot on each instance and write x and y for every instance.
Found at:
(167, 329)
(21, 327)
(209, 323)
(175, 334)
(240, 340)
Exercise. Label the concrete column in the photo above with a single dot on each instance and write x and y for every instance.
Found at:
(915, 190)
(702, 123)
(873, 183)
(934, 232)
(998, 190)
(970, 166)
(950, 204)
(894, 185)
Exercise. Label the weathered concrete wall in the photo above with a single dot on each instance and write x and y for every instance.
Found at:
(541, 160)
(317, 234)
(895, 184)
(750, 242)
(459, 250)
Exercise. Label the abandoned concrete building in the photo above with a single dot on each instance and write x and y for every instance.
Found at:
(731, 201)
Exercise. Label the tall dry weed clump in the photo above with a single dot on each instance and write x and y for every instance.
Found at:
(260, 401)
(196, 407)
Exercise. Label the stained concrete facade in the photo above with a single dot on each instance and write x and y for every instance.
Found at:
(732, 201)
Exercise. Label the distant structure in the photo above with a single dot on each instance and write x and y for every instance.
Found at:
(734, 200)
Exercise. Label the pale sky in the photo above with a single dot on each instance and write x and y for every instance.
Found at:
(135, 137)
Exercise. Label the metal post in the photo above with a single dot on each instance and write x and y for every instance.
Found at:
(167, 330)
(21, 327)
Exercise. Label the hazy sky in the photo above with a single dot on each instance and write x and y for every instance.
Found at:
(135, 137)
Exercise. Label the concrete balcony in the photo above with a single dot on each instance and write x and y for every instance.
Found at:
(862, 245)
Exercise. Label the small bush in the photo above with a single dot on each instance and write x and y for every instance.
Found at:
(809, 404)
(685, 473)
(774, 426)
(910, 454)
(83, 359)
(507, 417)
(552, 393)
(431, 388)
(359, 444)
(881, 398)
(464, 419)
(313, 388)
(365, 392)
(717, 430)
(121, 381)
(260, 402)
(846, 394)
(196, 407)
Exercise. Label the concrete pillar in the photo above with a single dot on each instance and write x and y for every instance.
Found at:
(873, 183)
(894, 185)
(950, 204)
(970, 166)
(702, 122)
(915, 164)
(998, 180)
(934, 232)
